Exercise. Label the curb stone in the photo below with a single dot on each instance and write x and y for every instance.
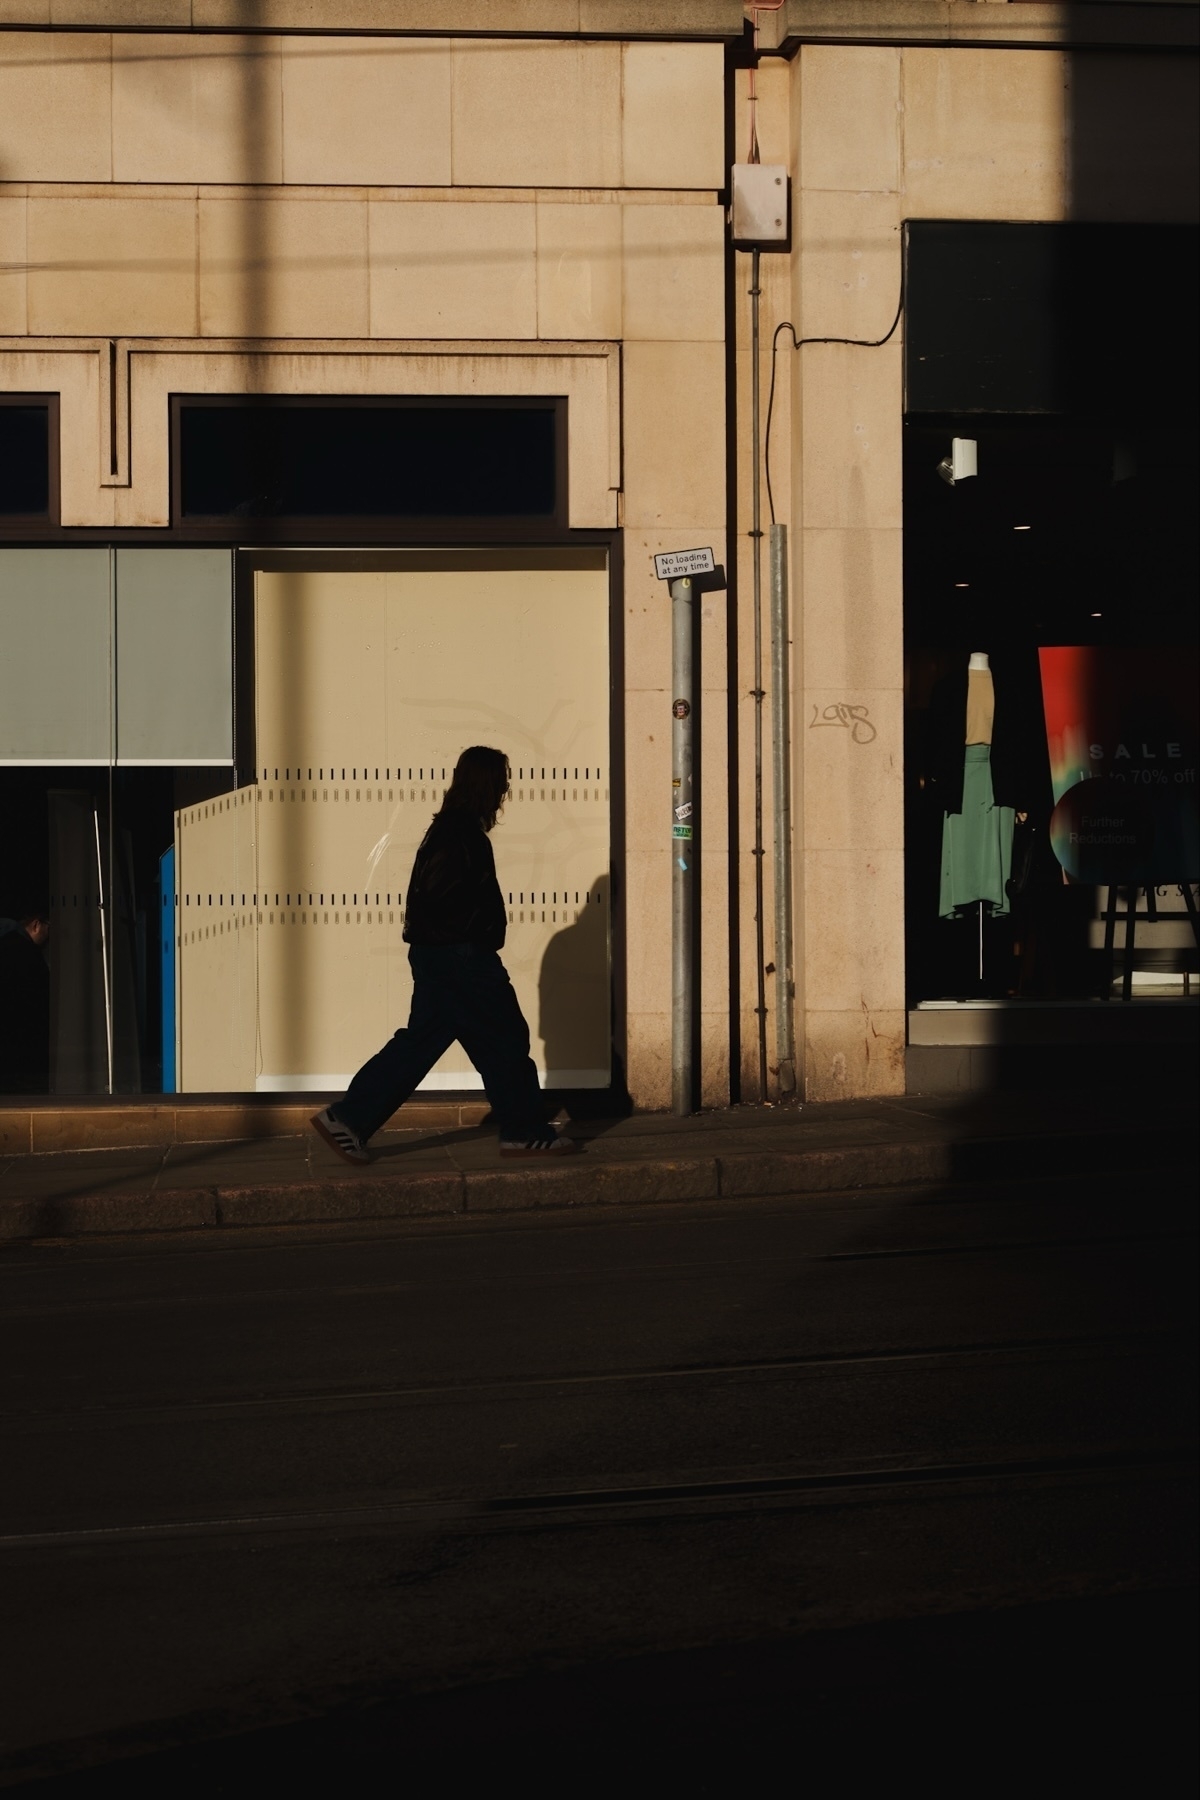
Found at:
(597, 1184)
(314, 1202)
(825, 1171)
(743, 1174)
(93, 1215)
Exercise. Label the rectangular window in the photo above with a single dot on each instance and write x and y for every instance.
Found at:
(1084, 321)
(122, 656)
(28, 457)
(55, 674)
(174, 657)
(377, 458)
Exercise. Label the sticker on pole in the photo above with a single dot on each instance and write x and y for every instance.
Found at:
(672, 564)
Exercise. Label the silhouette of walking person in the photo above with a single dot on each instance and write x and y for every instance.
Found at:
(455, 923)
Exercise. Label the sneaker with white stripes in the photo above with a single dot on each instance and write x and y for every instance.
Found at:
(547, 1143)
(339, 1137)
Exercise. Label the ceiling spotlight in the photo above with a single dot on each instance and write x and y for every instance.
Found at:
(1095, 615)
(1022, 527)
(962, 462)
(959, 584)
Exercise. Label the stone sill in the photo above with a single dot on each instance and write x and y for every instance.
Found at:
(90, 1124)
(1106, 24)
(694, 20)
(1085, 1024)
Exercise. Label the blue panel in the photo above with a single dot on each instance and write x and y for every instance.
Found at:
(166, 939)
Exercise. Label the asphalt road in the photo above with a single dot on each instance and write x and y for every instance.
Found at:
(666, 1473)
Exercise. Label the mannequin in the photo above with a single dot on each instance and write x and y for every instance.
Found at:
(981, 699)
(977, 837)
(1019, 765)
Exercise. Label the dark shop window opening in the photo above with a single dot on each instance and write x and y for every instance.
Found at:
(26, 444)
(1050, 570)
(374, 458)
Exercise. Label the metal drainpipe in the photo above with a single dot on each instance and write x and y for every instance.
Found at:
(684, 825)
(781, 778)
(759, 851)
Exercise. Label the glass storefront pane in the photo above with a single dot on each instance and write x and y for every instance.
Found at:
(1067, 566)
(174, 656)
(116, 709)
(56, 669)
(163, 930)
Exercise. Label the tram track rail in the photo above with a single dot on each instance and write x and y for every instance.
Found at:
(1168, 1463)
(1133, 1343)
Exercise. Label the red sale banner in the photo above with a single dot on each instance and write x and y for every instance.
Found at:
(1121, 728)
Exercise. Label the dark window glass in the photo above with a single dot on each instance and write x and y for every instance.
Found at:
(25, 461)
(87, 1003)
(378, 461)
(1086, 321)
(1069, 534)
(1075, 535)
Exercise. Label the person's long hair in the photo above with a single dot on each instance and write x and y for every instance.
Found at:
(479, 784)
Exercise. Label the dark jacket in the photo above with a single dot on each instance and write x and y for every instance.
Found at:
(453, 895)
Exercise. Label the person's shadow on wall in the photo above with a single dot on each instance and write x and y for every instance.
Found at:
(575, 1013)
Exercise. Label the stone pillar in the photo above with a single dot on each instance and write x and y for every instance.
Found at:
(847, 406)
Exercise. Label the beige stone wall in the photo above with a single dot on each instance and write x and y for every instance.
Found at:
(157, 185)
(304, 213)
(95, 107)
(429, 215)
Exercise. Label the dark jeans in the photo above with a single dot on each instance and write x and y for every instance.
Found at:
(459, 991)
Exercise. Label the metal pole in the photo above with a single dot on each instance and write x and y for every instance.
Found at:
(756, 539)
(781, 781)
(108, 938)
(684, 872)
(100, 894)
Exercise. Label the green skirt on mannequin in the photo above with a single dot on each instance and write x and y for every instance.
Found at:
(976, 842)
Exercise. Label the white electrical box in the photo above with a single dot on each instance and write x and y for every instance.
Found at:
(760, 204)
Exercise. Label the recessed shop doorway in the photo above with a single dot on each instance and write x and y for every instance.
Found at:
(371, 673)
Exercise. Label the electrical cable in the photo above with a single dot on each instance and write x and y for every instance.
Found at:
(769, 6)
(798, 344)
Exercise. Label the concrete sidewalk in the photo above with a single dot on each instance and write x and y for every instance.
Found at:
(739, 1153)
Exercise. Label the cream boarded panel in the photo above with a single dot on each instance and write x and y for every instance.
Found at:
(528, 653)
(369, 683)
(326, 940)
(319, 641)
(216, 926)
